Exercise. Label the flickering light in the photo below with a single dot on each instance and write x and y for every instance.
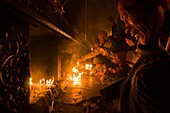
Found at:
(38, 89)
(30, 81)
(42, 81)
(77, 79)
(88, 66)
(74, 69)
(50, 82)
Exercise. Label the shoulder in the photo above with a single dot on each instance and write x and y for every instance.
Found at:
(154, 74)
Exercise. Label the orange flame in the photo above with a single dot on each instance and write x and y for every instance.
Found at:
(88, 66)
(76, 78)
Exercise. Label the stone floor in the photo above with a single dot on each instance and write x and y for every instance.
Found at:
(73, 98)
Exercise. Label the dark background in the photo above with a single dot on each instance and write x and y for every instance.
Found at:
(89, 16)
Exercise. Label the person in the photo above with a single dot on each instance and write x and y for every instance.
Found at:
(146, 88)
(118, 35)
(105, 72)
(128, 57)
(113, 25)
(124, 45)
(105, 46)
(99, 69)
(102, 46)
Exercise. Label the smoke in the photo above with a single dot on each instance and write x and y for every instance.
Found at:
(43, 57)
(90, 16)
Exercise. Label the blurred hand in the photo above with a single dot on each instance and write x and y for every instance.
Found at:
(114, 70)
(114, 58)
(102, 51)
(119, 57)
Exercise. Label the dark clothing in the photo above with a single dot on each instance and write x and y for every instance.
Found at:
(100, 59)
(119, 31)
(113, 30)
(146, 89)
(121, 45)
(118, 38)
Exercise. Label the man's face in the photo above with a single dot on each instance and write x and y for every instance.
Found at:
(142, 21)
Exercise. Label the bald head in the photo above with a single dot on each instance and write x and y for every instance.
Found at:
(143, 18)
(138, 4)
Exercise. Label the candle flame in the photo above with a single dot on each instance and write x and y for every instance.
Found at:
(30, 81)
(88, 66)
(76, 76)
(77, 79)
(74, 69)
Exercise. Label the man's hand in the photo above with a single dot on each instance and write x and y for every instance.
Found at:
(114, 70)
(102, 51)
(119, 57)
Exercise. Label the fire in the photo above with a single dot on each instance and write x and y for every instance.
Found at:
(50, 82)
(88, 66)
(76, 77)
(30, 81)
(75, 70)
(37, 89)
(42, 81)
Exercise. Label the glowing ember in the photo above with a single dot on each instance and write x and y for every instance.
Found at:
(30, 81)
(42, 81)
(78, 63)
(75, 70)
(76, 76)
(50, 82)
(88, 66)
(77, 79)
